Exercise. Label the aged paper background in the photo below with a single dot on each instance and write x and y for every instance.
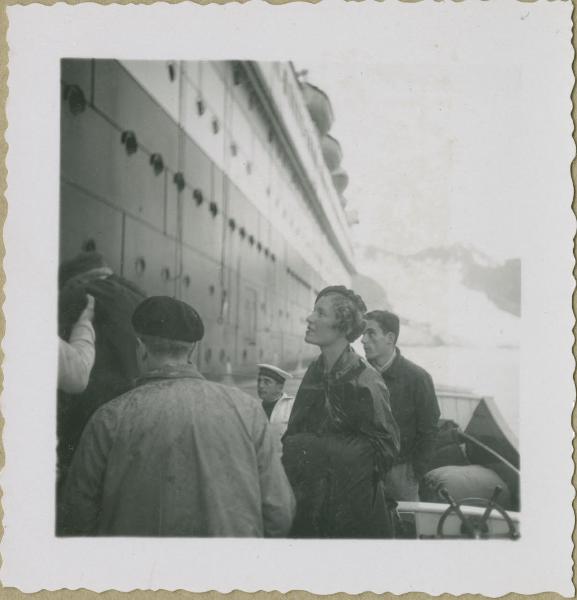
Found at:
(536, 36)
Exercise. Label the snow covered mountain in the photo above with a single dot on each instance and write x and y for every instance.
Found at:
(449, 295)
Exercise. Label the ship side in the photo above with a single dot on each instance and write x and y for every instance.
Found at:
(213, 182)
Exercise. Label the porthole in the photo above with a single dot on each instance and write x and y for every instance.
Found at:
(89, 246)
(232, 224)
(186, 281)
(157, 163)
(215, 126)
(213, 209)
(198, 196)
(76, 99)
(244, 355)
(179, 181)
(242, 232)
(266, 252)
(233, 149)
(259, 246)
(200, 107)
(211, 290)
(165, 274)
(251, 240)
(208, 355)
(129, 141)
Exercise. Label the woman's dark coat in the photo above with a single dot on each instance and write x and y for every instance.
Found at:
(340, 442)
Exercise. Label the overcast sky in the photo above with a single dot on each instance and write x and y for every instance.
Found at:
(437, 146)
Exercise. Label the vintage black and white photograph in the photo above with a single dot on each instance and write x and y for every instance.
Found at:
(302, 297)
(245, 352)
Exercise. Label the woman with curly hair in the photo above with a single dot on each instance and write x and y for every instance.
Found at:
(341, 438)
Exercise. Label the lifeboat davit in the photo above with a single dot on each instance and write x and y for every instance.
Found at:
(340, 180)
(332, 152)
(319, 107)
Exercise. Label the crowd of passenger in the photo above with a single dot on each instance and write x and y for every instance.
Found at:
(148, 447)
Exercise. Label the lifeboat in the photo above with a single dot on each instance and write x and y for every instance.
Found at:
(332, 152)
(319, 107)
(340, 180)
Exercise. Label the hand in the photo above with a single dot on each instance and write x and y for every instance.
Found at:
(88, 313)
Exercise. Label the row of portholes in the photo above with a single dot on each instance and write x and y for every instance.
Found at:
(89, 245)
(156, 159)
(201, 104)
(140, 265)
(251, 240)
(239, 78)
(165, 273)
(129, 140)
(140, 268)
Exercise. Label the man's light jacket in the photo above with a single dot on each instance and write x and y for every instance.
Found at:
(178, 456)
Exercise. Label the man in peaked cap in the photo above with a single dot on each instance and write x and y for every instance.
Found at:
(276, 404)
(177, 455)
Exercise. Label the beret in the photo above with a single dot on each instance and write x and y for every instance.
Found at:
(165, 317)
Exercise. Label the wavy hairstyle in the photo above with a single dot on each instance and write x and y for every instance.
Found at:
(349, 310)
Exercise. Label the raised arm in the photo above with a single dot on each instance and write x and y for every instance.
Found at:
(76, 357)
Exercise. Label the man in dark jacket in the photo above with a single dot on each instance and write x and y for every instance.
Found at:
(115, 365)
(413, 402)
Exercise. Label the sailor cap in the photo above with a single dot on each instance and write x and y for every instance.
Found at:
(274, 373)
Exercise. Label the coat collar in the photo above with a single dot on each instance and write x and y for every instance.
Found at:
(396, 366)
(170, 372)
(347, 366)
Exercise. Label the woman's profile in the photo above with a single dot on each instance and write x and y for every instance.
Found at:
(341, 438)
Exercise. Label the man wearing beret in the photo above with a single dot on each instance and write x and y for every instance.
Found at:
(276, 404)
(177, 455)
